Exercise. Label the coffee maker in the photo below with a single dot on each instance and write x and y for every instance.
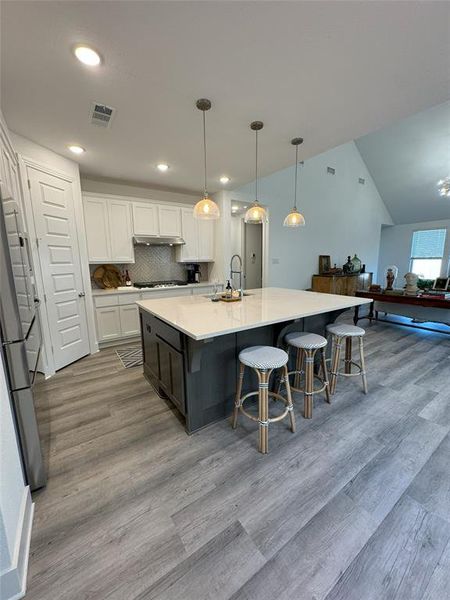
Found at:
(193, 273)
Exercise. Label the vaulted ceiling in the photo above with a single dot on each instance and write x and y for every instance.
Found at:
(406, 160)
(328, 71)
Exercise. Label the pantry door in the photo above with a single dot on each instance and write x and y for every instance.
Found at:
(54, 220)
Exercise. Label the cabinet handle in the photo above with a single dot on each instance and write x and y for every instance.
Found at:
(148, 328)
(81, 294)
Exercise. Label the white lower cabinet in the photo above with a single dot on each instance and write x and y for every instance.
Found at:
(108, 323)
(129, 320)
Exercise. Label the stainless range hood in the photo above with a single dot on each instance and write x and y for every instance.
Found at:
(150, 240)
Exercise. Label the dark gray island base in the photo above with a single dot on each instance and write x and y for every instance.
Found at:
(199, 376)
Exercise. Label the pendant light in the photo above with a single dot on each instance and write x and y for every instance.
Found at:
(256, 214)
(294, 218)
(205, 208)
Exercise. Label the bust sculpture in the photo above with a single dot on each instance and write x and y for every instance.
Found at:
(411, 288)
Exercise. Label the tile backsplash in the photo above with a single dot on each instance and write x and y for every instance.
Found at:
(156, 263)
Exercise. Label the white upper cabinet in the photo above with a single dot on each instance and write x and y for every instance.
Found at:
(111, 222)
(199, 238)
(145, 219)
(108, 230)
(97, 229)
(169, 220)
(205, 241)
(121, 231)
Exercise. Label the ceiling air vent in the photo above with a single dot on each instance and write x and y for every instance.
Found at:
(101, 114)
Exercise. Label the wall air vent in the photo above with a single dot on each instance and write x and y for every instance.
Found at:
(361, 180)
(101, 114)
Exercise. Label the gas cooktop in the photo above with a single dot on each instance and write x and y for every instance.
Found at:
(159, 284)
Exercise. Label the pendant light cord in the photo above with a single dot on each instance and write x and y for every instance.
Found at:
(205, 192)
(295, 188)
(256, 169)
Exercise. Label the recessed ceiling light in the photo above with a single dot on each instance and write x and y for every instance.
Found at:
(76, 149)
(87, 56)
(224, 179)
(163, 167)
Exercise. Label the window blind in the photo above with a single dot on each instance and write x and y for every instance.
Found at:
(428, 243)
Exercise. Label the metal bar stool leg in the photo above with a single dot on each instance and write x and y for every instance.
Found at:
(263, 397)
(348, 355)
(323, 360)
(289, 397)
(336, 355)
(363, 365)
(309, 383)
(237, 401)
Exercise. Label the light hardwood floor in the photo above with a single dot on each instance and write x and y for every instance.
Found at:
(354, 506)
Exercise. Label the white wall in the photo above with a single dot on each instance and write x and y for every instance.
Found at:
(12, 482)
(122, 188)
(395, 247)
(15, 504)
(342, 216)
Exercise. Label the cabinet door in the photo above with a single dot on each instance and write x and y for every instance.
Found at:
(169, 220)
(171, 374)
(145, 219)
(205, 241)
(120, 231)
(108, 323)
(189, 230)
(129, 320)
(97, 229)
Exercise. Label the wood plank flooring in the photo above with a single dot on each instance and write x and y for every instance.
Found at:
(354, 506)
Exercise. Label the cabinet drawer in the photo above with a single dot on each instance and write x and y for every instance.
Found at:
(106, 300)
(167, 333)
(169, 293)
(129, 298)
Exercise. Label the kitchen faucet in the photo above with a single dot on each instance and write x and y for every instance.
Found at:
(239, 272)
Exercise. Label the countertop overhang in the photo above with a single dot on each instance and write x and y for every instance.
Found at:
(200, 319)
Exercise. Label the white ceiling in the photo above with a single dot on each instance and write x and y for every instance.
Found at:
(328, 71)
(406, 160)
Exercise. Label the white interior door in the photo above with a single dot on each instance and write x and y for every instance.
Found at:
(54, 218)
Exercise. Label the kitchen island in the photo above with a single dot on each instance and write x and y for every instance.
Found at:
(191, 344)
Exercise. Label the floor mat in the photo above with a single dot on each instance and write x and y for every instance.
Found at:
(130, 357)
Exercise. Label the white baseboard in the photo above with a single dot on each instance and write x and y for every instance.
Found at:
(13, 581)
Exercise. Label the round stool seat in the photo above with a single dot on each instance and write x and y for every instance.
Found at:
(263, 357)
(344, 330)
(305, 341)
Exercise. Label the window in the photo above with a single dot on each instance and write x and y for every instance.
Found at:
(427, 251)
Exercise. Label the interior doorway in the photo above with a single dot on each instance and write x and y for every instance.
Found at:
(252, 255)
(249, 241)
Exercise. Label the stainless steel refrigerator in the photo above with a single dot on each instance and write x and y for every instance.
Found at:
(20, 333)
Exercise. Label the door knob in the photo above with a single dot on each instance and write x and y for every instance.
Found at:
(81, 294)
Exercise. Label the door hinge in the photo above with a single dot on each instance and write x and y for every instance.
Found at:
(37, 242)
(29, 184)
(45, 298)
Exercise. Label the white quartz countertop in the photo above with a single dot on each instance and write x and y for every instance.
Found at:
(199, 318)
(130, 289)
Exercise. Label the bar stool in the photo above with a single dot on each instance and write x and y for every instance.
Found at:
(340, 332)
(307, 344)
(263, 360)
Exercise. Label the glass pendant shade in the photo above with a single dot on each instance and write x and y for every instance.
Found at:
(294, 219)
(256, 215)
(206, 209)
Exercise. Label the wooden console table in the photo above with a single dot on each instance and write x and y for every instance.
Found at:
(411, 301)
(345, 285)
